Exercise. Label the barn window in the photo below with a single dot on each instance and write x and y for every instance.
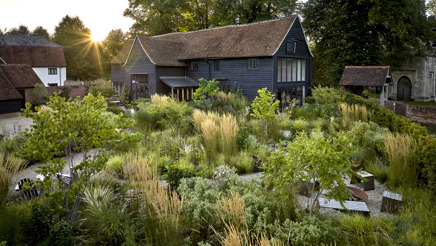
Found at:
(52, 71)
(291, 46)
(291, 70)
(194, 65)
(253, 63)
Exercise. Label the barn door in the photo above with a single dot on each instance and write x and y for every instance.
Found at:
(139, 86)
(404, 89)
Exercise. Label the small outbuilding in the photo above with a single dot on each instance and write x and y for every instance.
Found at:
(356, 78)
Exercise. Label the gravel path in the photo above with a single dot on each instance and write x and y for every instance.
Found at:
(11, 127)
(374, 197)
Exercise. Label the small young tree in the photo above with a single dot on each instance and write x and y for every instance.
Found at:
(264, 106)
(39, 94)
(207, 89)
(316, 158)
(73, 125)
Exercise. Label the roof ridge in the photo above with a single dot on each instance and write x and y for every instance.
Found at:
(222, 27)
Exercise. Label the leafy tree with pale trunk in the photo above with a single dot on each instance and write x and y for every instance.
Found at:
(75, 125)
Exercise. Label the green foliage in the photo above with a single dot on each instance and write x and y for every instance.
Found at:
(264, 106)
(164, 116)
(115, 109)
(72, 33)
(299, 125)
(310, 231)
(74, 125)
(339, 36)
(156, 17)
(103, 88)
(175, 173)
(359, 230)
(306, 159)
(427, 160)
(207, 89)
(39, 94)
(115, 165)
(125, 96)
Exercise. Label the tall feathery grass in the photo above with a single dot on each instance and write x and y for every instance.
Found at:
(226, 98)
(231, 211)
(355, 112)
(401, 153)
(161, 99)
(163, 207)
(219, 132)
(9, 166)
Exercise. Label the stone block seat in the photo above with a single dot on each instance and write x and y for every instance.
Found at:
(391, 202)
(351, 206)
(369, 183)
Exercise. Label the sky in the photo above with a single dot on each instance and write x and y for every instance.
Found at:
(100, 16)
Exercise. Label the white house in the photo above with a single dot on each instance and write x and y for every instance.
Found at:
(45, 57)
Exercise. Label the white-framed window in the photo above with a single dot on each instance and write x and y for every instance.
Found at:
(194, 65)
(291, 70)
(253, 63)
(52, 71)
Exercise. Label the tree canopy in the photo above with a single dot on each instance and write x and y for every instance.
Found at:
(85, 59)
(154, 17)
(365, 32)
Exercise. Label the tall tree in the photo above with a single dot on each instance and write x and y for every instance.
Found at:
(431, 6)
(365, 32)
(114, 41)
(154, 17)
(41, 31)
(83, 56)
(21, 30)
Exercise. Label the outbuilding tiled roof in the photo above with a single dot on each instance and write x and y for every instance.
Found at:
(31, 50)
(8, 91)
(260, 39)
(20, 76)
(365, 75)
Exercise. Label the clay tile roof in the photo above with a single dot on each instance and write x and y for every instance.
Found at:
(31, 50)
(8, 91)
(237, 41)
(20, 76)
(365, 75)
(121, 57)
(162, 52)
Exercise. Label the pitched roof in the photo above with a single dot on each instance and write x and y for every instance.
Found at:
(179, 82)
(365, 75)
(121, 57)
(31, 50)
(8, 91)
(236, 41)
(20, 76)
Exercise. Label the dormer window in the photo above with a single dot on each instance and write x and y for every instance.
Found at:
(291, 46)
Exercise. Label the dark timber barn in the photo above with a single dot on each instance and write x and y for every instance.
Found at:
(272, 54)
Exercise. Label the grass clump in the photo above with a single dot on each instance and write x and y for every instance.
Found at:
(9, 166)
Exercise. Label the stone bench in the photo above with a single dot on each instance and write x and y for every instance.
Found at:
(369, 183)
(391, 202)
(350, 206)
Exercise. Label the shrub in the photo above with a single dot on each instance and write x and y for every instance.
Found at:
(243, 162)
(39, 94)
(427, 160)
(206, 89)
(175, 173)
(115, 109)
(300, 125)
(359, 230)
(115, 165)
(104, 88)
(309, 231)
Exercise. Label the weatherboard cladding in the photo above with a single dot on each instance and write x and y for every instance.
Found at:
(235, 74)
(139, 63)
(10, 106)
(365, 75)
(161, 88)
(296, 33)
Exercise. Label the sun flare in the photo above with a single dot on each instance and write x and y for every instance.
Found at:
(97, 37)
